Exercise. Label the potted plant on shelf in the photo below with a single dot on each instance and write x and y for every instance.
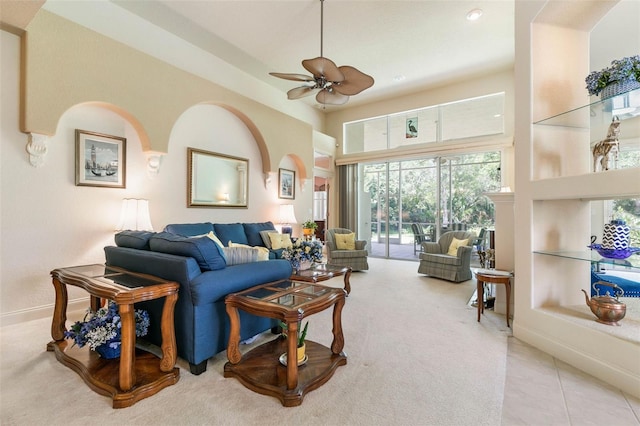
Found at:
(622, 76)
(309, 228)
(302, 335)
(102, 330)
(302, 254)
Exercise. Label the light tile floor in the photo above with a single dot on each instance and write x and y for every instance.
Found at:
(542, 390)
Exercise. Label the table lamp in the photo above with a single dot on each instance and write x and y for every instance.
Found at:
(287, 218)
(134, 215)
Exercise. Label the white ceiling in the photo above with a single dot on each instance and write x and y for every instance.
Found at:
(428, 42)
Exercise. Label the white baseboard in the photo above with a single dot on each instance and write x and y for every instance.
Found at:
(39, 312)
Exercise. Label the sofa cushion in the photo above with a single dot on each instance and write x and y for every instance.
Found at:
(189, 229)
(345, 241)
(134, 239)
(279, 241)
(455, 243)
(241, 254)
(230, 232)
(206, 252)
(252, 231)
(265, 238)
(262, 252)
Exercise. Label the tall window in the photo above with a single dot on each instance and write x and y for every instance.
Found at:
(469, 118)
(439, 194)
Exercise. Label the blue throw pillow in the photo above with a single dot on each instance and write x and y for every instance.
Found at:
(203, 249)
(252, 230)
(134, 239)
(189, 229)
(230, 232)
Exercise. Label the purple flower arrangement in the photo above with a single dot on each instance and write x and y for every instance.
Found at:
(621, 70)
(104, 327)
(301, 251)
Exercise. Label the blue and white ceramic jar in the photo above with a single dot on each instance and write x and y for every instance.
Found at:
(616, 235)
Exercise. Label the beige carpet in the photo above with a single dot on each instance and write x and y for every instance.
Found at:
(416, 356)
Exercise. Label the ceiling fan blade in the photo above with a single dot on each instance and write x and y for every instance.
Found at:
(294, 77)
(301, 92)
(323, 67)
(354, 82)
(331, 97)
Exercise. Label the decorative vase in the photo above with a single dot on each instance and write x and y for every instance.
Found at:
(107, 352)
(616, 235)
(304, 265)
(619, 87)
(301, 352)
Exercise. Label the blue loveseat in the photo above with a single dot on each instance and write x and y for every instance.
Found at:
(199, 265)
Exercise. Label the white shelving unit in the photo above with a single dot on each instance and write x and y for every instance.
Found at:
(555, 185)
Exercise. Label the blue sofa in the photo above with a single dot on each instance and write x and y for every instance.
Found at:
(199, 265)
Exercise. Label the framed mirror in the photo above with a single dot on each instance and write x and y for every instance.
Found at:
(216, 180)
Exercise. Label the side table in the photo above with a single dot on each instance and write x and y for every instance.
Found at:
(493, 277)
(323, 272)
(137, 374)
(261, 369)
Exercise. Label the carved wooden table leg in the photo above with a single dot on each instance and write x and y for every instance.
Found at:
(169, 350)
(292, 354)
(233, 347)
(347, 284)
(128, 347)
(58, 326)
(338, 338)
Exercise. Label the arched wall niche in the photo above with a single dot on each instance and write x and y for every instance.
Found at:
(65, 64)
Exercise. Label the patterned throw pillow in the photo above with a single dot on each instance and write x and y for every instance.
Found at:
(262, 252)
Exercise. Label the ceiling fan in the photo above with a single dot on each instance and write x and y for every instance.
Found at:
(332, 84)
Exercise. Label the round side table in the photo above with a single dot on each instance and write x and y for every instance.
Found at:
(487, 277)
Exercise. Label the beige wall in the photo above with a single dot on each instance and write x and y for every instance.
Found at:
(66, 65)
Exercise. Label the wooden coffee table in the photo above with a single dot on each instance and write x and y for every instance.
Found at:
(261, 369)
(323, 272)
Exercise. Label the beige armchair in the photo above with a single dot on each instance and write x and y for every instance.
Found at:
(357, 258)
(435, 262)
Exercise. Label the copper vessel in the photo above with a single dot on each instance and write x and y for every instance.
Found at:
(608, 309)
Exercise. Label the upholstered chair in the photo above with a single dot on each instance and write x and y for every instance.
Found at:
(356, 257)
(436, 261)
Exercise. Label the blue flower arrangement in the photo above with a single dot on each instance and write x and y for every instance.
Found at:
(301, 251)
(621, 70)
(104, 327)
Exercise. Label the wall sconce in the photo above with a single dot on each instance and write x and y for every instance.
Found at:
(154, 161)
(134, 216)
(287, 218)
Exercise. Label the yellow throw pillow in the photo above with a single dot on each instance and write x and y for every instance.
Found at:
(455, 243)
(279, 241)
(346, 241)
(263, 252)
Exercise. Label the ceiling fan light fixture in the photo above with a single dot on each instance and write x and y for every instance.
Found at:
(335, 84)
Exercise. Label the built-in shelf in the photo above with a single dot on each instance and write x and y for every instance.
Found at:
(587, 255)
(590, 186)
(625, 106)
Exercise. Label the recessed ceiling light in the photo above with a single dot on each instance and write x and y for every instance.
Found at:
(398, 78)
(474, 15)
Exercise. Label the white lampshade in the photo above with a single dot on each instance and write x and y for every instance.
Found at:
(287, 215)
(134, 215)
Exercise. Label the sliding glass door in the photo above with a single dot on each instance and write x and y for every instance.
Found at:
(436, 194)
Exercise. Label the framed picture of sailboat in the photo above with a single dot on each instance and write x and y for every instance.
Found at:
(100, 160)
